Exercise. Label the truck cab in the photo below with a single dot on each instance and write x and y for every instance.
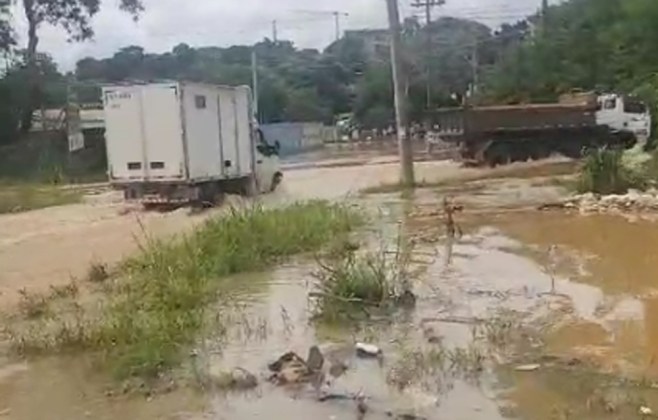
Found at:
(268, 167)
(624, 114)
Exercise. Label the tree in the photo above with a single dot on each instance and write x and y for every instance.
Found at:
(74, 16)
(6, 34)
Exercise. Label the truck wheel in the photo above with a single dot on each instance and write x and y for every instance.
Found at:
(276, 180)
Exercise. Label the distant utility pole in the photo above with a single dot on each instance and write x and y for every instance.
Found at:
(428, 5)
(404, 140)
(275, 32)
(336, 14)
(544, 12)
(254, 81)
(475, 64)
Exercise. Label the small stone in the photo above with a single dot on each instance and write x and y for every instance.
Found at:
(315, 360)
(367, 350)
(527, 368)
(646, 411)
(243, 379)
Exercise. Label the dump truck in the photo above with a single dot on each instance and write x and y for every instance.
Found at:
(183, 142)
(502, 134)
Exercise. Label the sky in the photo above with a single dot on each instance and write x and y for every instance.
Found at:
(166, 23)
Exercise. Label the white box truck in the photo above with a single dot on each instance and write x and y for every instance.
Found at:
(183, 142)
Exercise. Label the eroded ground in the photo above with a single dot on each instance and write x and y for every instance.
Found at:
(526, 314)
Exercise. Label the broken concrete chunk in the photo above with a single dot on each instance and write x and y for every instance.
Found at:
(290, 369)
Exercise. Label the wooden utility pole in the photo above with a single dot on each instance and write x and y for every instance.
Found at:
(404, 140)
(275, 32)
(428, 5)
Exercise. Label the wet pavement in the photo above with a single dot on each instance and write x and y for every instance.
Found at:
(572, 300)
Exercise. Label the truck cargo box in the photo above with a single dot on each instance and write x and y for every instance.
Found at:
(178, 132)
(492, 119)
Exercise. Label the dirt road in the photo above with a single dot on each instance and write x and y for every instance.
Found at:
(50, 246)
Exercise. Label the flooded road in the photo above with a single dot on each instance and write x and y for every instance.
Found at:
(527, 314)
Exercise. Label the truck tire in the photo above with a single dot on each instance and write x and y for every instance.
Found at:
(276, 180)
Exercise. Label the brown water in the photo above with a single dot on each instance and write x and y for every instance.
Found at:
(576, 295)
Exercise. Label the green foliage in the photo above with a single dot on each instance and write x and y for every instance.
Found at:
(23, 197)
(350, 282)
(157, 305)
(602, 45)
(604, 173)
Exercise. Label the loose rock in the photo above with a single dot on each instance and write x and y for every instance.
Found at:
(237, 380)
(527, 368)
(367, 350)
(290, 369)
(646, 411)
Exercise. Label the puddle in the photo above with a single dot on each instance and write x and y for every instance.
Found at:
(582, 290)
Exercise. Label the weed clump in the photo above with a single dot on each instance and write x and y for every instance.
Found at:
(352, 283)
(97, 273)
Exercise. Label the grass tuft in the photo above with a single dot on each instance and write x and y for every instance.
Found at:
(351, 283)
(603, 173)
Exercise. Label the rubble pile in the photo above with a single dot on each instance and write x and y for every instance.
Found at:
(633, 201)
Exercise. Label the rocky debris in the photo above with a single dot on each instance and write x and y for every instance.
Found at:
(646, 411)
(589, 203)
(238, 379)
(368, 350)
(290, 369)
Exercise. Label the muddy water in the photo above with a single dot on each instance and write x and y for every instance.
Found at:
(581, 293)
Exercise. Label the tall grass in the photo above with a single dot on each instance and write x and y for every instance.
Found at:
(158, 306)
(609, 171)
(351, 283)
(604, 173)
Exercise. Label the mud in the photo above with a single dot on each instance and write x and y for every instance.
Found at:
(575, 296)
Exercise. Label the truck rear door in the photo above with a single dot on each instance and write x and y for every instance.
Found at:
(144, 133)
(123, 133)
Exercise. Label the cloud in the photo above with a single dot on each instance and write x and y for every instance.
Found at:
(228, 22)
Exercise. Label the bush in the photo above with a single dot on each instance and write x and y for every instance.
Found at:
(604, 173)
